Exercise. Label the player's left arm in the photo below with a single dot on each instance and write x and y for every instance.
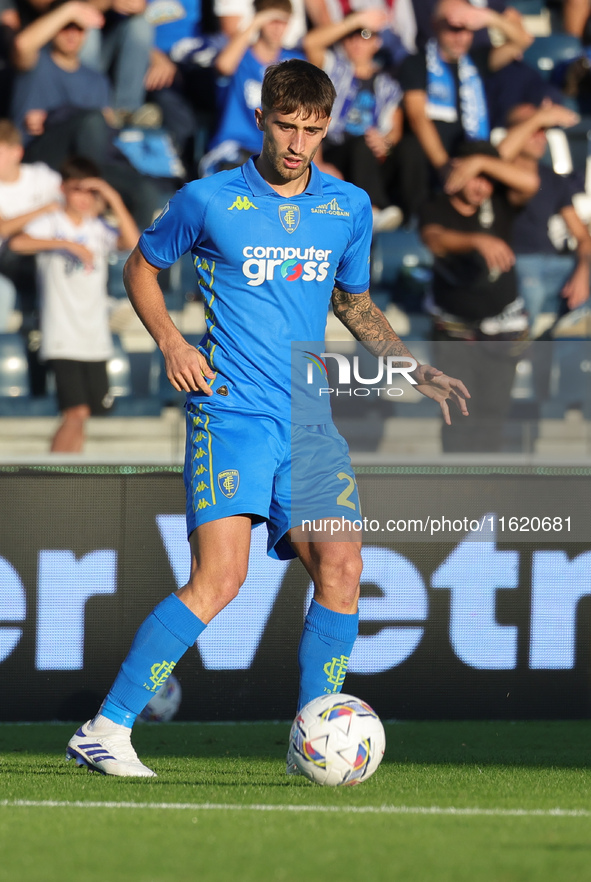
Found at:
(368, 324)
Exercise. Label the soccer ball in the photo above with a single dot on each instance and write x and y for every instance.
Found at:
(337, 739)
(165, 703)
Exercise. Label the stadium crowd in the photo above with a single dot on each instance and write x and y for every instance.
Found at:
(441, 117)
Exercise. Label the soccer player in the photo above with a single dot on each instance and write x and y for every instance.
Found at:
(272, 242)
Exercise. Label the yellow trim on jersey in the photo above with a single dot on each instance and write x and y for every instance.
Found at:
(206, 429)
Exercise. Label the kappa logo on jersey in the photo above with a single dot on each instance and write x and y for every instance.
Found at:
(289, 215)
(331, 207)
(242, 203)
(228, 482)
(307, 264)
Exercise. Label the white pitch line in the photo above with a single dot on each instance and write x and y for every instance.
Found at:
(322, 809)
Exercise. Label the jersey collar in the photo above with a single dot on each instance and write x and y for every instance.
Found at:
(260, 187)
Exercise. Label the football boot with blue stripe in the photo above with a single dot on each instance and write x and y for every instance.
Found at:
(107, 752)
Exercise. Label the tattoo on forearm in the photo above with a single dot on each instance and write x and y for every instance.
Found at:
(367, 323)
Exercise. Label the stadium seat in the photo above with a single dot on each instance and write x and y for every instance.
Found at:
(14, 368)
(15, 388)
(119, 370)
(128, 401)
(115, 285)
(400, 269)
(529, 7)
(546, 53)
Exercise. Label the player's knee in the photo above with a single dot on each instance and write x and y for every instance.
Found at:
(345, 569)
(229, 585)
(337, 581)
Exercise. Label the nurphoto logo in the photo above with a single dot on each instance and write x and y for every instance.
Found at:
(348, 372)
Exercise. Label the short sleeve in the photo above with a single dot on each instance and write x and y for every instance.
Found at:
(176, 229)
(42, 227)
(413, 73)
(352, 273)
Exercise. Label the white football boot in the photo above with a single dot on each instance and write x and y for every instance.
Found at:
(108, 751)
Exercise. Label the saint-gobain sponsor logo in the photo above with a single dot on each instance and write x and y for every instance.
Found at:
(388, 367)
(262, 262)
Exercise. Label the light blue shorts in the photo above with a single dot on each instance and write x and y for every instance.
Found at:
(237, 463)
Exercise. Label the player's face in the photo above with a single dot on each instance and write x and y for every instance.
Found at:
(289, 143)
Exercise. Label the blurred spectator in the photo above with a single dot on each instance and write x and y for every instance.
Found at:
(121, 49)
(400, 27)
(444, 96)
(550, 279)
(475, 295)
(244, 60)
(9, 25)
(119, 46)
(235, 15)
(63, 107)
(423, 10)
(26, 192)
(366, 119)
(180, 79)
(72, 246)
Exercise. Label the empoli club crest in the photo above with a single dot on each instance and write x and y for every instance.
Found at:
(228, 482)
(289, 215)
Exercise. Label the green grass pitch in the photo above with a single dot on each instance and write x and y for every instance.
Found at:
(452, 802)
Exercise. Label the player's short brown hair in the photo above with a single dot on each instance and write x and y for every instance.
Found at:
(9, 134)
(297, 86)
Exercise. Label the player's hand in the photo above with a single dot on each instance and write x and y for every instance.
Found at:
(436, 385)
(186, 368)
(498, 255)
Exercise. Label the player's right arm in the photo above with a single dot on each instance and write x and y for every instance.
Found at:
(186, 368)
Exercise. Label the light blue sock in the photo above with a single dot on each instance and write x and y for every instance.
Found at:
(325, 647)
(160, 641)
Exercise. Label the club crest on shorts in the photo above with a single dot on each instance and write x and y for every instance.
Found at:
(228, 482)
(289, 215)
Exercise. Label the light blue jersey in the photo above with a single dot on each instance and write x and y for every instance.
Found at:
(266, 266)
